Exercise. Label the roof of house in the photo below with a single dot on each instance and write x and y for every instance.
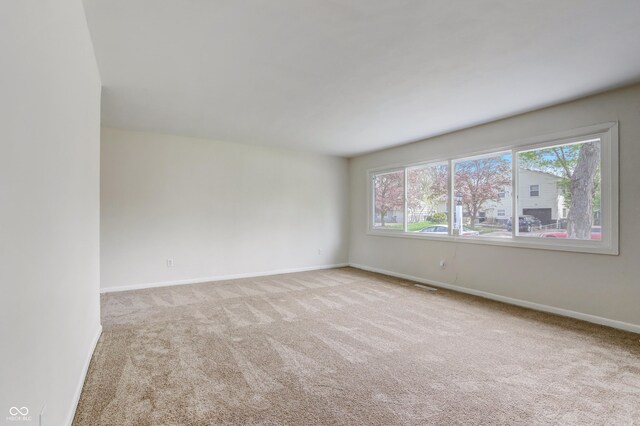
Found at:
(543, 173)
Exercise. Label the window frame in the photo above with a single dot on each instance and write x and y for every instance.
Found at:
(372, 194)
(447, 203)
(461, 159)
(609, 165)
(537, 190)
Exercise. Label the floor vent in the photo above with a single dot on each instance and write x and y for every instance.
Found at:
(425, 287)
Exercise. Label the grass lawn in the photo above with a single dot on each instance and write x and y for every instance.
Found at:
(414, 227)
(411, 227)
(488, 229)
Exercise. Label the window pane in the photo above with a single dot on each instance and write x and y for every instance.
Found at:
(479, 184)
(567, 204)
(427, 199)
(389, 200)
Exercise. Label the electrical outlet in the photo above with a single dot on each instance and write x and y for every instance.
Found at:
(169, 263)
(443, 264)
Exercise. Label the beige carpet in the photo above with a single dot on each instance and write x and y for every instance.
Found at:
(345, 346)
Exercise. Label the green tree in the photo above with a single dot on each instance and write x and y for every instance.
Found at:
(426, 189)
(578, 167)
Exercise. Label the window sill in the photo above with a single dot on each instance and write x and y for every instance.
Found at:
(538, 243)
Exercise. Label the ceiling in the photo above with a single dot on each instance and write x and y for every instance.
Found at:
(345, 77)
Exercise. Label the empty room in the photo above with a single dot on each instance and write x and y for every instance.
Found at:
(319, 212)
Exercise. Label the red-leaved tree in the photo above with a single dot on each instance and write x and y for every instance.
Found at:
(479, 181)
(389, 193)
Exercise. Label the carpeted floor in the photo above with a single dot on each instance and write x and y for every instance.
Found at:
(344, 346)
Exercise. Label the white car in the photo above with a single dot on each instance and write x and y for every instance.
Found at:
(444, 230)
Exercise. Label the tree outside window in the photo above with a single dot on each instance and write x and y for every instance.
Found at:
(578, 166)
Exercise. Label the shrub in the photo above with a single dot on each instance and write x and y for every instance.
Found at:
(439, 218)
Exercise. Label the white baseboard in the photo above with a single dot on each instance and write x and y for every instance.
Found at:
(218, 278)
(635, 328)
(85, 369)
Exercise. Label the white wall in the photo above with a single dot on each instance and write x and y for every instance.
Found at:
(49, 206)
(600, 285)
(217, 209)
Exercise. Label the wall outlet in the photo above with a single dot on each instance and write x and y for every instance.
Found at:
(169, 263)
(443, 264)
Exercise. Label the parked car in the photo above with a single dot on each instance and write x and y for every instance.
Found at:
(596, 233)
(534, 221)
(444, 230)
(526, 223)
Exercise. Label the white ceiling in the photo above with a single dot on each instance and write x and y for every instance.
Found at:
(346, 77)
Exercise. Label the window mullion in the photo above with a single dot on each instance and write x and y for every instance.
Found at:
(372, 202)
(406, 213)
(515, 216)
(451, 199)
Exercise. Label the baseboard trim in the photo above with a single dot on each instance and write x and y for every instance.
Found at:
(635, 328)
(83, 376)
(219, 278)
